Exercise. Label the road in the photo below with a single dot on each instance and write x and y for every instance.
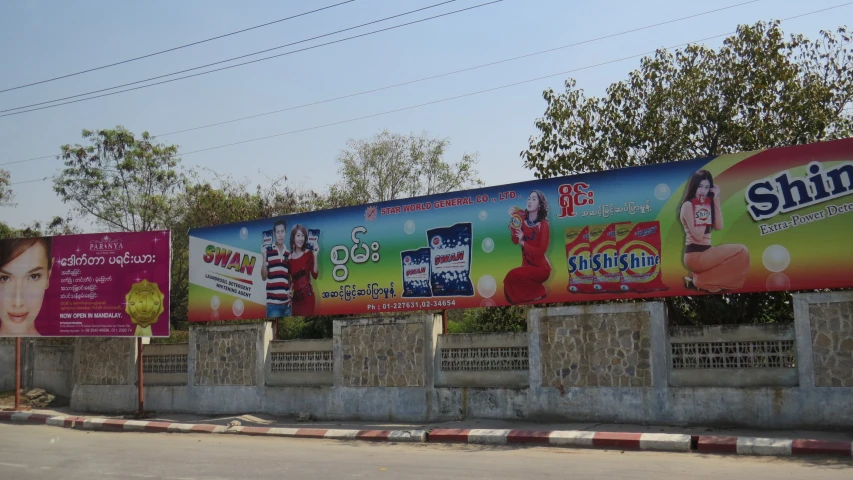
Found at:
(41, 452)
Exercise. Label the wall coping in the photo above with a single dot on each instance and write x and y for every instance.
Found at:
(755, 332)
(824, 297)
(632, 307)
(226, 327)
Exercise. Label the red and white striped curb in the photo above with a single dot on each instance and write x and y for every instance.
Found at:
(103, 424)
(772, 446)
(663, 442)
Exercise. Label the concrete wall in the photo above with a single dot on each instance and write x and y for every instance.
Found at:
(7, 366)
(482, 360)
(300, 363)
(604, 363)
(723, 348)
(104, 375)
(52, 367)
(165, 364)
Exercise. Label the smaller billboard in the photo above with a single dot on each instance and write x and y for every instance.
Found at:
(94, 285)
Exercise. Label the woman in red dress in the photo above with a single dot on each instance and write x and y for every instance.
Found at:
(525, 284)
(303, 266)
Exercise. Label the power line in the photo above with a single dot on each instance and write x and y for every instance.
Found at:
(176, 48)
(239, 57)
(465, 95)
(411, 107)
(428, 78)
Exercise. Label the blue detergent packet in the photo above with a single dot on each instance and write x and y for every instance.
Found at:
(450, 260)
(416, 273)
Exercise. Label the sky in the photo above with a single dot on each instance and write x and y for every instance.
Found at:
(40, 39)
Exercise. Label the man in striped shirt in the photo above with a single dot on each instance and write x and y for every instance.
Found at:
(276, 272)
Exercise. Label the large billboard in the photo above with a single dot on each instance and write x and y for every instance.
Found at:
(771, 220)
(99, 285)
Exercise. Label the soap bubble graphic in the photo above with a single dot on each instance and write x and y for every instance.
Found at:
(662, 191)
(214, 316)
(237, 307)
(409, 227)
(487, 286)
(487, 302)
(214, 302)
(488, 244)
(776, 258)
(244, 233)
(778, 281)
(484, 215)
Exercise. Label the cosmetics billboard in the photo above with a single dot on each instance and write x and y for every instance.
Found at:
(771, 220)
(96, 285)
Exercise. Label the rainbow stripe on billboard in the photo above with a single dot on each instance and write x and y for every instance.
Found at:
(771, 220)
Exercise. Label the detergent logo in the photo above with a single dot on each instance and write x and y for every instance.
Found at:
(230, 259)
(783, 192)
(702, 214)
(407, 260)
(605, 259)
(572, 235)
(416, 273)
(450, 258)
(436, 241)
(639, 258)
(578, 260)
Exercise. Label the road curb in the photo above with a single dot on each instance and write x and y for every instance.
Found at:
(660, 442)
(116, 425)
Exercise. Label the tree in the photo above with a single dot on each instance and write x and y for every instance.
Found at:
(124, 182)
(6, 194)
(391, 166)
(56, 226)
(759, 90)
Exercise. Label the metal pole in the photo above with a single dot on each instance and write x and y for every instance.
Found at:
(17, 373)
(139, 377)
(444, 322)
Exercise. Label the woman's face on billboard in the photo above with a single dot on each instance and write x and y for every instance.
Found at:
(23, 282)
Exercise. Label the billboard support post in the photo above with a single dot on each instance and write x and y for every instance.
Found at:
(18, 373)
(140, 411)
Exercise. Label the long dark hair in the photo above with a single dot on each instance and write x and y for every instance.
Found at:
(693, 185)
(298, 228)
(543, 206)
(14, 248)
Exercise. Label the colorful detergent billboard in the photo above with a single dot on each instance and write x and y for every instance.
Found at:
(771, 220)
(100, 285)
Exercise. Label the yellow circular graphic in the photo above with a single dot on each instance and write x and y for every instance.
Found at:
(144, 304)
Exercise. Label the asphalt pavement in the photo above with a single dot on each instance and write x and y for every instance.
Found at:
(42, 452)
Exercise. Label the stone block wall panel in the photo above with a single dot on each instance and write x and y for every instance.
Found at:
(225, 357)
(106, 361)
(389, 355)
(596, 350)
(832, 343)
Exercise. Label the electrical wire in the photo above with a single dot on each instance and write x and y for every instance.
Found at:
(582, 42)
(457, 97)
(237, 58)
(174, 48)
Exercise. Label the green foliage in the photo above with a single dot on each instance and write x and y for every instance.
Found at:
(57, 226)
(759, 90)
(391, 166)
(488, 320)
(123, 182)
(6, 194)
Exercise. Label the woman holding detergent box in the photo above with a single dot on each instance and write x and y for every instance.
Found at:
(303, 266)
(713, 269)
(531, 230)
